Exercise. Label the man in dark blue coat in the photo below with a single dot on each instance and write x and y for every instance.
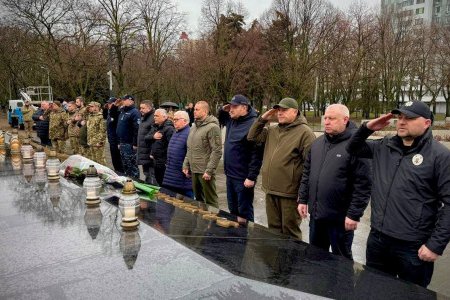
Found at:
(410, 200)
(127, 131)
(41, 117)
(335, 186)
(174, 178)
(242, 159)
(111, 121)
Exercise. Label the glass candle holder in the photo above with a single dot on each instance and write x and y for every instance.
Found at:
(52, 166)
(16, 161)
(129, 206)
(92, 185)
(39, 158)
(14, 143)
(26, 150)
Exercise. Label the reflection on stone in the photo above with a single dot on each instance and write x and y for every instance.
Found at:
(93, 220)
(28, 170)
(40, 177)
(54, 192)
(130, 244)
(16, 161)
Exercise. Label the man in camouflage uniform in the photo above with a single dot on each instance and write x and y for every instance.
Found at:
(57, 127)
(72, 129)
(96, 133)
(81, 119)
(27, 112)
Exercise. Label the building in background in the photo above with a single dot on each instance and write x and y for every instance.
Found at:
(421, 11)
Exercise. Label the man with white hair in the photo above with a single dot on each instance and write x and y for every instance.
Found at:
(160, 135)
(174, 178)
(335, 186)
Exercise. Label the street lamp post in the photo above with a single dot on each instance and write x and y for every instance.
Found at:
(50, 93)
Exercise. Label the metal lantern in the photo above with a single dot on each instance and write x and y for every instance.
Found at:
(14, 143)
(93, 219)
(92, 185)
(2, 138)
(130, 244)
(39, 158)
(129, 206)
(26, 150)
(52, 166)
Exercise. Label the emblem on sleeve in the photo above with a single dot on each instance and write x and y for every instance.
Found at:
(417, 159)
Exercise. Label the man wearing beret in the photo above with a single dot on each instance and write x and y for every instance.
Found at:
(410, 199)
(286, 148)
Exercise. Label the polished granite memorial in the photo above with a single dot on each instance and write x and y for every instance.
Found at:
(54, 247)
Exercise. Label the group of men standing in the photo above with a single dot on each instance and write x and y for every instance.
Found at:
(332, 178)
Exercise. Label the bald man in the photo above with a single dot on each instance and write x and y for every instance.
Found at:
(335, 186)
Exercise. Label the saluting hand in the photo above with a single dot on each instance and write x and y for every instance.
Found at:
(379, 123)
(270, 115)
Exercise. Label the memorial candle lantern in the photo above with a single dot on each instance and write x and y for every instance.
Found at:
(2, 139)
(14, 143)
(39, 158)
(26, 150)
(129, 206)
(28, 170)
(92, 185)
(16, 161)
(52, 166)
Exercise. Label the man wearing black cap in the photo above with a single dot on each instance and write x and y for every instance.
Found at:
(112, 118)
(241, 158)
(410, 197)
(127, 132)
(286, 148)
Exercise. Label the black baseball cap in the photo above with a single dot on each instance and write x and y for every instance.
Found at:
(239, 100)
(128, 97)
(111, 100)
(414, 109)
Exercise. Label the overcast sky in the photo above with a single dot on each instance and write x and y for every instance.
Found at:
(255, 8)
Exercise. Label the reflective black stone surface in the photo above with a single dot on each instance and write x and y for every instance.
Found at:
(53, 247)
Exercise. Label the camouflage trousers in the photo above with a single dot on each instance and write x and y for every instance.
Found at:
(84, 151)
(128, 156)
(59, 145)
(97, 154)
(29, 127)
(75, 144)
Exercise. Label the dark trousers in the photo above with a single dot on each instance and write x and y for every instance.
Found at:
(398, 258)
(159, 173)
(240, 198)
(326, 233)
(45, 141)
(149, 172)
(128, 155)
(282, 215)
(115, 155)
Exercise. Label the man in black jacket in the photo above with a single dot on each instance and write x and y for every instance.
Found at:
(145, 148)
(335, 186)
(159, 136)
(410, 198)
(242, 159)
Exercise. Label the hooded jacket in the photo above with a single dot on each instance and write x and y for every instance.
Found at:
(145, 147)
(335, 184)
(285, 150)
(128, 125)
(242, 158)
(204, 147)
(410, 197)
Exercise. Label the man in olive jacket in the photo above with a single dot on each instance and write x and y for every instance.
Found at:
(204, 149)
(285, 150)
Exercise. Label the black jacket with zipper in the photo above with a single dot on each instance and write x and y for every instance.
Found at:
(411, 187)
(334, 183)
